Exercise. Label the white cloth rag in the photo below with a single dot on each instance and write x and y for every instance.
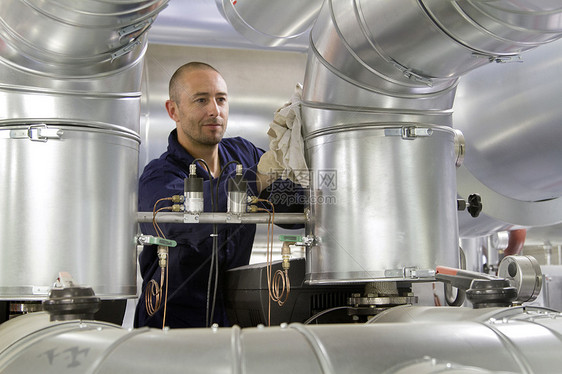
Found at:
(285, 157)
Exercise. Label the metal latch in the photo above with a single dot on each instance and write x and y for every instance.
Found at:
(408, 73)
(409, 132)
(37, 133)
(141, 26)
(123, 51)
(41, 133)
(498, 59)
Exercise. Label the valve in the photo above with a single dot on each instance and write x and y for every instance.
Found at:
(288, 240)
(286, 254)
(150, 240)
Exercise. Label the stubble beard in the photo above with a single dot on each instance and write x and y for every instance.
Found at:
(206, 139)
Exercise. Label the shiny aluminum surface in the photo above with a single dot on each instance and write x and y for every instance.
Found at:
(66, 39)
(374, 219)
(498, 27)
(69, 204)
(374, 63)
(510, 117)
(271, 23)
(392, 213)
(513, 340)
(69, 124)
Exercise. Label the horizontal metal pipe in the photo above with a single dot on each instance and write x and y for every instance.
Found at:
(404, 340)
(246, 218)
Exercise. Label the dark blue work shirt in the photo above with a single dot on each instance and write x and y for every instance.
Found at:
(189, 262)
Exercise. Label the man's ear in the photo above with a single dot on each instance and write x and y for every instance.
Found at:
(172, 110)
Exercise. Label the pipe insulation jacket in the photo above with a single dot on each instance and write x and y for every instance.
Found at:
(380, 84)
(69, 142)
(408, 339)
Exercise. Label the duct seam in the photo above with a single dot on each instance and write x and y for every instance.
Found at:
(317, 347)
(97, 364)
(514, 351)
(476, 51)
(152, 13)
(237, 350)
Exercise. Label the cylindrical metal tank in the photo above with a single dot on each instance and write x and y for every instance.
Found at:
(67, 206)
(69, 123)
(371, 216)
(426, 340)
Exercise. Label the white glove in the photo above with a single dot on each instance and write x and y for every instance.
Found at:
(285, 158)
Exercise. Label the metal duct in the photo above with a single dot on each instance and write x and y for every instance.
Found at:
(510, 116)
(69, 122)
(272, 23)
(455, 340)
(379, 88)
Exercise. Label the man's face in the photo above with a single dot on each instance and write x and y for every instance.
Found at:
(201, 111)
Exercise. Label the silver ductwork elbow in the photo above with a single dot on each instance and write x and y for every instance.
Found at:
(270, 23)
(378, 93)
(69, 122)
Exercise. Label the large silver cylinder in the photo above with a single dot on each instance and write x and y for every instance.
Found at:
(374, 219)
(376, 67)
(68, 204)
(69, 123)
(510, 117)
(513, 340)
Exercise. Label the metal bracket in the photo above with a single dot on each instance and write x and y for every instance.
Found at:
(190, 218)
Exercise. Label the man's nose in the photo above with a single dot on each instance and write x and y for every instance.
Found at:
(213, 108)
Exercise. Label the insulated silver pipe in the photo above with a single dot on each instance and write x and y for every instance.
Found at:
(379, 88)
(69, 143)
(510, 117)
(272, 23)
(511, 340)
